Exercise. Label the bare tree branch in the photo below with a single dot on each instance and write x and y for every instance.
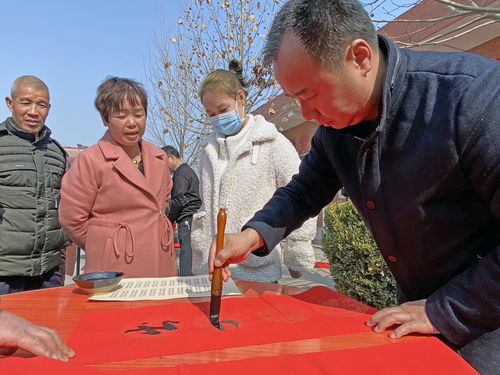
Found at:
(406, 20)
(441, 41)
(207, 36)
(470, 8)
(465, 15)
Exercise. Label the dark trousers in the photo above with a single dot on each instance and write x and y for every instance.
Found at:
(186, 254)
(483, 353)
(14, 284)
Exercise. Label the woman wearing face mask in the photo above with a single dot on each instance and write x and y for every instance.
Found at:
(242, 164)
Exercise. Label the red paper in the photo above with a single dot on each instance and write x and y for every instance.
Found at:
(325, 296)
(100, 336)
(420, 357)
(322, 265)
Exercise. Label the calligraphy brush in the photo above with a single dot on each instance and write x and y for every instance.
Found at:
(216, 289)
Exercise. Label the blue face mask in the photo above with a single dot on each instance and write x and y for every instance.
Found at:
(227, 123)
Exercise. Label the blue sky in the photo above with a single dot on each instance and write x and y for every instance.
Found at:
(72, 46)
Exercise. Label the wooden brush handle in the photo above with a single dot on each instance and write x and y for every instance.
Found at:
(221, 228)
(219, 244)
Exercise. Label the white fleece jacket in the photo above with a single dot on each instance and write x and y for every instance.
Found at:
(260, 160)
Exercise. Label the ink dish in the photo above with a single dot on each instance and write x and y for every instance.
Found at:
(98, 282)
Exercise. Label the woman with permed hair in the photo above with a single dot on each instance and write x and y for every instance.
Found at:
(114, 196)
(242, 164)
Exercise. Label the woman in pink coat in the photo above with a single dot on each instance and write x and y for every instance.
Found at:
(113, 197)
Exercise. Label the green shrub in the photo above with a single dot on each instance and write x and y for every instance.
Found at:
(357, 266)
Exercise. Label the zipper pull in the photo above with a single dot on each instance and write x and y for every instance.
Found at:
(255, 153)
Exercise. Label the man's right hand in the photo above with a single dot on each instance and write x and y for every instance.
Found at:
(16, 332)
(237, 248)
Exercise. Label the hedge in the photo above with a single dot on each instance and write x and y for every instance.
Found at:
(357, 266)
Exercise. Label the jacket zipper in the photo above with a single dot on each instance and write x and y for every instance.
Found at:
(361, 158)
(394, 73)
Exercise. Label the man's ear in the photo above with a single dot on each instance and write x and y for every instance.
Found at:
(8, 101)
(360, 55)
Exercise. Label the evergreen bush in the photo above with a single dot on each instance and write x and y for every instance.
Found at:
(357, 267)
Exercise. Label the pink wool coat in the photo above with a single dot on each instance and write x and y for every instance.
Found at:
(117, 214)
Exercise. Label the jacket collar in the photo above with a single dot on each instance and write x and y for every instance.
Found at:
(41, 137)
(394, 80)
(260, 132)
(153, 156)
(112, 150)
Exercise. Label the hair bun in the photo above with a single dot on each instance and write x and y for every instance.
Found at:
(236, 68)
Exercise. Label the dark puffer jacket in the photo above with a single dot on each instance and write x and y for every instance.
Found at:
(31, 169)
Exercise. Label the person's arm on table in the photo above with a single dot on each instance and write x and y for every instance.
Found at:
(467, 306)
(16, 332)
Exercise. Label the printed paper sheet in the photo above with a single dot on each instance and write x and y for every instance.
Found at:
(164, 288)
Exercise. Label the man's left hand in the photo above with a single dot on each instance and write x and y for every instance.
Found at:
(410, 316)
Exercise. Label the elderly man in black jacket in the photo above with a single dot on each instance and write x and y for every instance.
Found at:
(414, 138)
(185, 201)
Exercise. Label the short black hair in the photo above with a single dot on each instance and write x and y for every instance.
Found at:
(324, 27)
(171, 150)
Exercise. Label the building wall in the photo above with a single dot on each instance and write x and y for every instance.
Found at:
(301, 135)
(490, 49)
(464, 33)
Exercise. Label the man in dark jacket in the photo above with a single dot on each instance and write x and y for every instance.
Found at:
(414, 139)
(185, 201)
(31, 168)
